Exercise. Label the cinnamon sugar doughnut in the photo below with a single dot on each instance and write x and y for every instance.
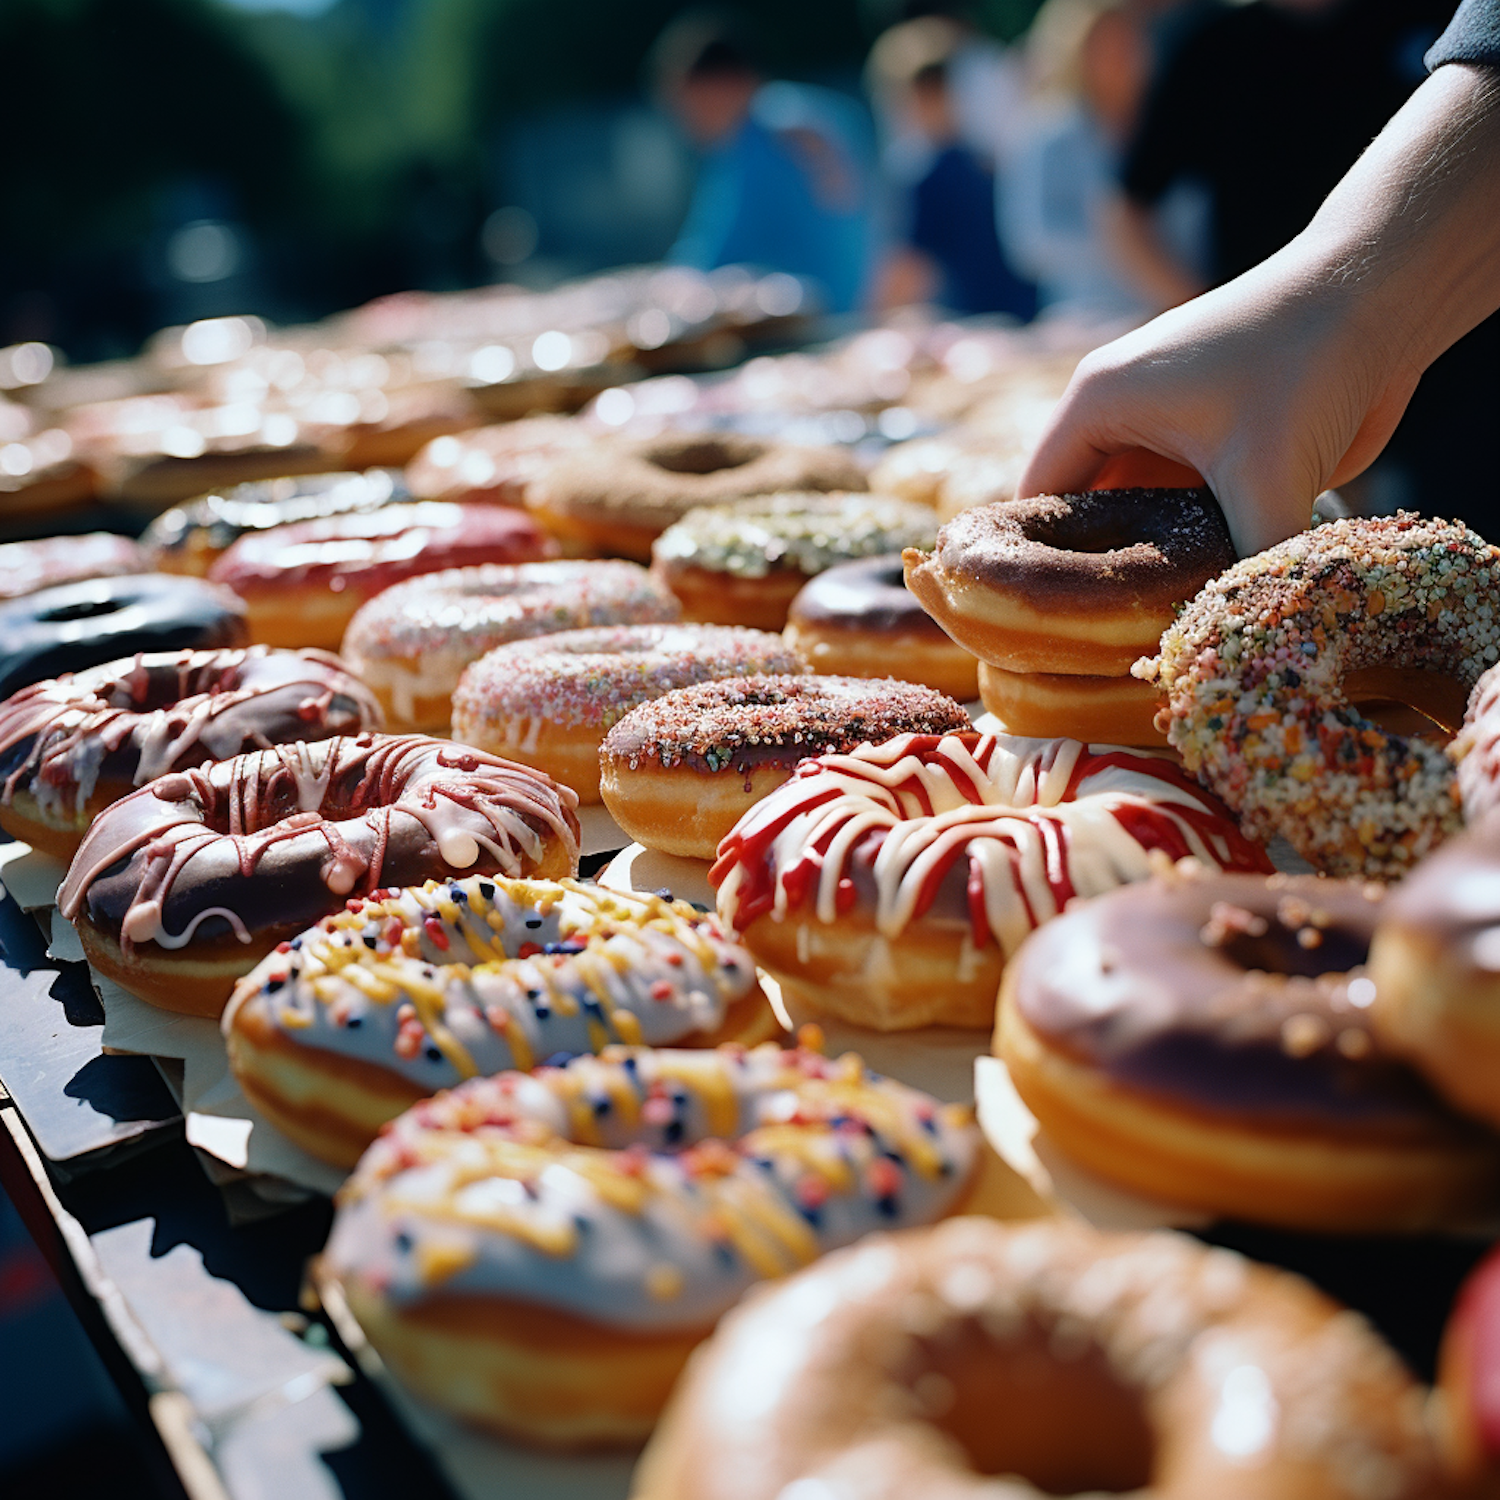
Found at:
(624, 493)
(540, 1253)
(889, 886)
(1068, 1361)
(412, 642)
(26, 567)
(859, 619)
(549, 702)
(393, 998)
(1070, 583)
(1206, 1039)
(185, 885)
(679, 772)
(1114, 710)
(72, 746)
(1254, 676)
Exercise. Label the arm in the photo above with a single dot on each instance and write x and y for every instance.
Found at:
(1292, 377)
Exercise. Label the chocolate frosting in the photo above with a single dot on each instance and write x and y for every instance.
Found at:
(867, 594)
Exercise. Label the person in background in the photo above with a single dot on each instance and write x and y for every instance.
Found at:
(947, 249)
(786, 181)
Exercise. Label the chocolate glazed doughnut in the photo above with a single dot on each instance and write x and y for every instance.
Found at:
(1205, 1039)
(185, 885)
(80, 625)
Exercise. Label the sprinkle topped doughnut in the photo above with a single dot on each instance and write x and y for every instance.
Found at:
(1476, 749)
(550, 701)
(1070, 583)
(412, 642)
(417, 990)
(678, 772)
(70, 747)
(1253, 672)
(26, 567)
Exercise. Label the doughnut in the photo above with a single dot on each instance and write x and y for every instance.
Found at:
(889, 886)
(549, 702)
(1252, 672)
(185, 885)
(72, 746)
(1468, 1415)
(190, 538)
(620, 496)
(395, 424)
(951, 472)
(28, 567)
(412, 641)
(540, 1252)
(744, 563)
(1206, 1039)
(860, 620)
(1115, 710)
(1476, 749)
(679, 772)
(494, 464)
(302, 583)
(1081, 584)
(390, 1000)
(1070, 1361)
(78, 625)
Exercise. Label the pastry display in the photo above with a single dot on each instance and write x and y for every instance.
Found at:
(678, 772)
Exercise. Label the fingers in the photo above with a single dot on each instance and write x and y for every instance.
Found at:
(1071, 452)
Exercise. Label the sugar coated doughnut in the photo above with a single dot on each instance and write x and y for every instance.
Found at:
(859, 619)
(190, 538)
(679, 772)
(302, 583)
(412, 642)
(1117, 710)
(26, 567)
(549, 702)
(185, 885)
(1067, 1360)
(1253, 672)
(1469, 1384)
(890, 885)
(70, 747)
(494, 464)
(743, 564)
(540, 1253)
(1205, 1039)
(1070, 583)
(78, 625)
(624, 493)
(393, 998)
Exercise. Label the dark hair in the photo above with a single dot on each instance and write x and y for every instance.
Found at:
(700, 44)
(930, 78)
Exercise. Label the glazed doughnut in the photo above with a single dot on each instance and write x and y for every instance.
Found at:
(860, 620)
(390, 1000)
(412, 642)
(1253, 673)
(1070, 583)
(743, 564)
(190, 538)
(540, 1252)
(185, 885)
(1067, 1360)
(624, 493)
(79, 625)
(889, 886)
(1205, 1039)
(27, 567)
(549, 702)
(303, 583)
(72, 746)
(1468, 1394)
(679, 772)
(1114, 710)
(494, 464)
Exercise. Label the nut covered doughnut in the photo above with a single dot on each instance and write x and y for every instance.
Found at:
(393, 998)
(70, 747)
(185, 885)
(412, 642)
(889, 886)
(1069, 1361)
(549, 702)
(540, 1253)
(1253, 671)
(678, 773)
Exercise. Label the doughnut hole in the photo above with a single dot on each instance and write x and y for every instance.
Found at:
(83, 609)
(1408, 700)
(705, 456)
